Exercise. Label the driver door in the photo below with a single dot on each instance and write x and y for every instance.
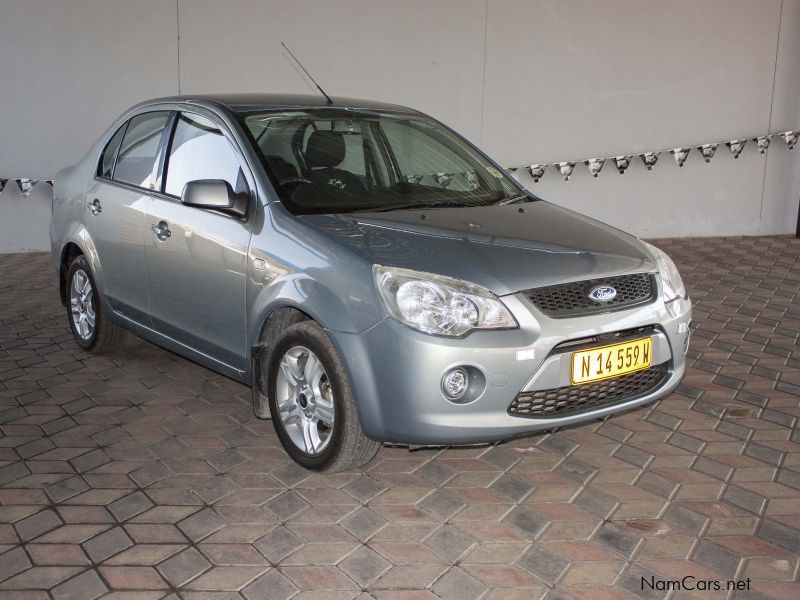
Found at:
(196, 258)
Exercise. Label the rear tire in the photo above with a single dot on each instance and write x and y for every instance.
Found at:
(312, 404)
(91, 328)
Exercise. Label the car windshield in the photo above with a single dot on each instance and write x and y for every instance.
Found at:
(341, 160)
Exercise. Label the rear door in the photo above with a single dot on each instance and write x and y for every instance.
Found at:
(116, 211)
(197, 258)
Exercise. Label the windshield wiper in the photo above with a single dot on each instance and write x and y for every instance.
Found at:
(414, 205)
(513, 199)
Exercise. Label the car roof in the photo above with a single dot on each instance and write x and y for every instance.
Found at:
(244, 103)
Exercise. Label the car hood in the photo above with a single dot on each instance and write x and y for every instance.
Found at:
(503, 248)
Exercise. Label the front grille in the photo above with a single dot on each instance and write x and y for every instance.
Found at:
(571, 399)
(572, 299)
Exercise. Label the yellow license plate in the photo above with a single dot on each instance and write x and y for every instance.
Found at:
(606, 362)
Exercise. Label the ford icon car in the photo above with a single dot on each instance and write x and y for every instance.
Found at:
(370, 273)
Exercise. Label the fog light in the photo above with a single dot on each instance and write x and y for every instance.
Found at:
(455, 383)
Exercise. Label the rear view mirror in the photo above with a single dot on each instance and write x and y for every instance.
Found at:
(215, 194)
(346, 127)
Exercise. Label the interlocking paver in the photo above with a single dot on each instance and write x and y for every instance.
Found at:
(399, 553)
(270, 586)
(364, 523)
(287, 505)
(56, 554)
(144, 554)
(364, 566)
(363, 488)
(12, 562)
(200, 524)
(226, 578)
(39, 578)
(620, 539)
(130, 506)
(133, 578)
(86, 586)
(526, 520)
(436, 472)
(596, 502)
(37, 524)
(449, 541)
(214, 489)
(780, 534)
(631, 581)
(458, 585)
(278, 543)
(495, 553)
(232, 555)
(107, 544)
(290, 474)
(316, 578)
(66, 488)
(183, 567)
(546, 565)
(73, 533)
(315, 553)
(156, 470)
(442, 504)
(154, 533)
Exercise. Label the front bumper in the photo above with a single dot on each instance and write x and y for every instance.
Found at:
(396, 372)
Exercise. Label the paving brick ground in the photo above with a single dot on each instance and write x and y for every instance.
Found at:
(141, 475)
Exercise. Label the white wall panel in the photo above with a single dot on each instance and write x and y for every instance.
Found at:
(530, 81)
(428, 55)
(68, 68)
(613, 77)
(25, 222)
(782, 177)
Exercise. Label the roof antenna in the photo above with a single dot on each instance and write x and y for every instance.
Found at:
(321, 91)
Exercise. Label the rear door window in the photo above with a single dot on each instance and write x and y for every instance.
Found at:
(139, 149)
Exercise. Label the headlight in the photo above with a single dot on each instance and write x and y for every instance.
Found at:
(439, 305)
(671, 282)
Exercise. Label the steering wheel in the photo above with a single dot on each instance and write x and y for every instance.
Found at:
(288, 180)
(292, 182)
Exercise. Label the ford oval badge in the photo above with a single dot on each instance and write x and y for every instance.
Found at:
(602, 293)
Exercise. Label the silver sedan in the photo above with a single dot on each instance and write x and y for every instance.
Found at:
(371, 274)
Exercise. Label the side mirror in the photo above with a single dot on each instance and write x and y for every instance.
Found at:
(215, 194)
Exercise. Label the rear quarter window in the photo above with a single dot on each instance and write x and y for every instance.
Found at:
(105, 167)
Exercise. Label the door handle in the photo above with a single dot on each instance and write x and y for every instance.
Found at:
(161, 229)
(95, 207)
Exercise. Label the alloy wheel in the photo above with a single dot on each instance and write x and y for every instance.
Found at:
(81, 300)
(305, 400)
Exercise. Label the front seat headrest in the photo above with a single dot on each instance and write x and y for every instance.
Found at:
(324, 149)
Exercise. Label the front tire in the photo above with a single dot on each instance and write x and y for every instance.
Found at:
(90, 326)
(312, 404)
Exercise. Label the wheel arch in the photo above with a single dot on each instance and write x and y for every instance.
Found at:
(69, 252)
(299, 297)
(273, 324)
(76, 242)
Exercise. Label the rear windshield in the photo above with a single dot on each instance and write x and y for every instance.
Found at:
(336, 160)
